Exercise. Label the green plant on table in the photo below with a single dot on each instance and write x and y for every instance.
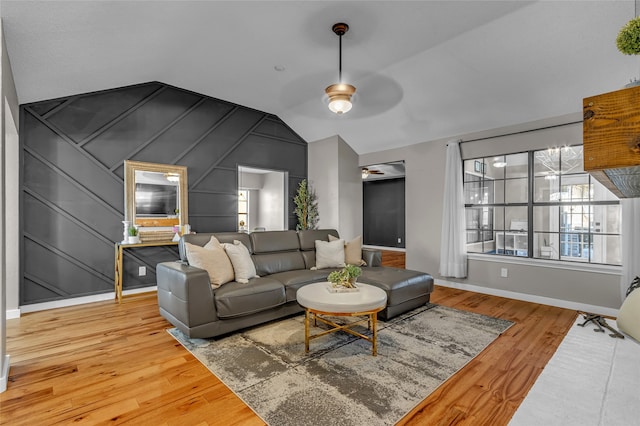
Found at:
(133, 231)
(345, 277)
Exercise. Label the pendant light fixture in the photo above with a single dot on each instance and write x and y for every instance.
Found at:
(340, 93)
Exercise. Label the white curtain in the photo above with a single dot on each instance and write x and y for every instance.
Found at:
(630, 242)
(453, 255)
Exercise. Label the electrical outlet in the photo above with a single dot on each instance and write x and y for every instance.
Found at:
(142, 271)
(504, 272)
(399, 240)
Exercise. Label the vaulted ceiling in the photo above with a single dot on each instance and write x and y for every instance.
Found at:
(423, 69)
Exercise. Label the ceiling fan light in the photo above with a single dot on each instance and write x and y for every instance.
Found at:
(340, 97)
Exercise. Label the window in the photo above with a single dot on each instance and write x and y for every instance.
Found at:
(540, 204)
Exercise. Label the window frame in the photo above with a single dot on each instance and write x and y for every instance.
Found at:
(564, 238)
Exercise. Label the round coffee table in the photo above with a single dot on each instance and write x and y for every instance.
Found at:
(318, 300)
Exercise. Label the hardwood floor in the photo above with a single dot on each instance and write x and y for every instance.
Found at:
(108, 363)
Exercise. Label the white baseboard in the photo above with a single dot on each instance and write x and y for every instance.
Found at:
(4, 374)
(80, 300)
(13, 313)
(567, 304)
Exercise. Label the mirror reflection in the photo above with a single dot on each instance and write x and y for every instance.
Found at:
(155, 194)
(262, 199)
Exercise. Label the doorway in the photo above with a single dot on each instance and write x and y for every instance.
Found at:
(383, 197)
(262, 199)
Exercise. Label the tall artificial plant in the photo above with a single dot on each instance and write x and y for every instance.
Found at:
(306, 207)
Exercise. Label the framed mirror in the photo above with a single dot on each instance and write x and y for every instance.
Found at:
(156, 195)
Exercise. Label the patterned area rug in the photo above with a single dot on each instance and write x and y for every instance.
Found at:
(338, 381)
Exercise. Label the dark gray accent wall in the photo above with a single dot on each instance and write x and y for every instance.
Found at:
(383, 219)
(72, 199)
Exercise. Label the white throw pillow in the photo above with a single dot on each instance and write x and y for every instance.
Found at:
(329, 254)
(241, 260)
(629, 315)
(352, 251)
(213, 259)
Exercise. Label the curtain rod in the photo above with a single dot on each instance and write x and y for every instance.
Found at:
(520, 132)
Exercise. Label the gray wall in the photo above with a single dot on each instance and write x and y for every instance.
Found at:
(335, 176)
(73, 151)
(577, 285)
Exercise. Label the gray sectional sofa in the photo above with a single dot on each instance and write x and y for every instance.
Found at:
(283, 260)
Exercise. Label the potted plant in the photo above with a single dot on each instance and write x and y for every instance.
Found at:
(346, 277)
(133, 235)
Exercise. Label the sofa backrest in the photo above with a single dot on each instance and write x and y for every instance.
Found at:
(307, 239)
(271, 251)
(276, 251)
(204, 238)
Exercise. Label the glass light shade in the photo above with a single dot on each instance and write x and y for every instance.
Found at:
(340, 97)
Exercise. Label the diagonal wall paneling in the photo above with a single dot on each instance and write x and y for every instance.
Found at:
(73, 152)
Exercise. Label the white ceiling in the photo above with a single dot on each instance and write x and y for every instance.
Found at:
(423, 69)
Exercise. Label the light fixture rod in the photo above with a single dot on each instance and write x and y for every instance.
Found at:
(340, 59)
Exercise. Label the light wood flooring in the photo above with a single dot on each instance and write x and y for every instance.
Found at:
(107, 363)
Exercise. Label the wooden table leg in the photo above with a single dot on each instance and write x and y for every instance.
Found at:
(374, 319)
(118, 272)
(306, 330)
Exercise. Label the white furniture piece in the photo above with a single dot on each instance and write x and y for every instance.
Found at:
(318, 300)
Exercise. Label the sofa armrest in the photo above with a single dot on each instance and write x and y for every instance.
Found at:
(373, 257)
(185, 293)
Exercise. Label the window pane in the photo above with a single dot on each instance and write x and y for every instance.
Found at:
(498, 191)
(472, 192)
(546, 162)
(511, 243)
(571, 159)
(606, 219)
(575, 188)
(517, 165)
(546, 219)
(469, 174)
(516, 218)
(546, 188)
(516, 191)
(600, 192)
(575, 246)
(496, 166)
(575, 218)
(606, 249)
(498, 222)
(546, 245)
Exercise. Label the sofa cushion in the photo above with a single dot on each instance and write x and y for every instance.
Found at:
(293, 280)
(236, 299)
(204, 238)
(308, 237)
(274, 241)
(243, 266)
(352, 251)
(213, 259)
(329, 254)
(400, 284)
(272, 263)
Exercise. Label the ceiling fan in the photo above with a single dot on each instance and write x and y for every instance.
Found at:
(366, 172)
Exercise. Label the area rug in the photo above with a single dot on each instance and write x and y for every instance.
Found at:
(591, 380)
(339, 381)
